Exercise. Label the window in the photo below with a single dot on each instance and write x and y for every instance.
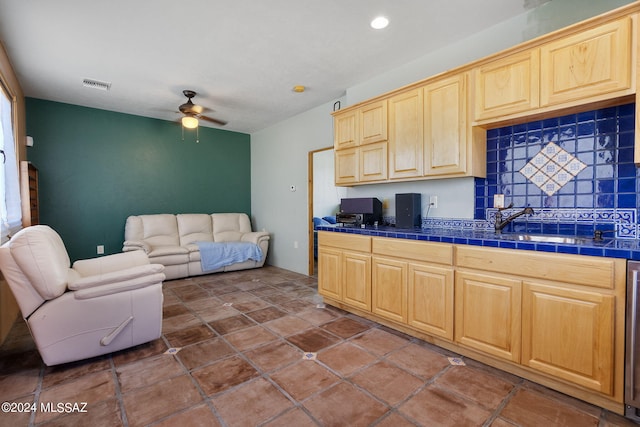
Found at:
(10, 209)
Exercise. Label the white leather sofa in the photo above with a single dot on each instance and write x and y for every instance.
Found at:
(94, 307)
(170, 240)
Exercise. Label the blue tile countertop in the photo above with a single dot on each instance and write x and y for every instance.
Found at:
(613, 248)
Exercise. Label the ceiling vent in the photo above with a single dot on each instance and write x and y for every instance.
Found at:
(96, 84)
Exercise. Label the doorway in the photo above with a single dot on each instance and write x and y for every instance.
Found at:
(324, 196)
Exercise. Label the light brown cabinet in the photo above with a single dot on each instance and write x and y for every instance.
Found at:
(373, 122)
(593, 63)
(430, 299)
(346, 167)
(389, 288)
(553, 318)
(412, 283)
(569, 333)
(372, 162)
(345, 130)
(344, 269)
(406, 138)
(553, 313)
(507, 85)
(360, 145)
(488, 314)
(446, 143)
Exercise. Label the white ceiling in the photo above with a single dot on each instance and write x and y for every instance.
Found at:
(243, 57)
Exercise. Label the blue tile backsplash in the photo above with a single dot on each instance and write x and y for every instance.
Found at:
(602, 195)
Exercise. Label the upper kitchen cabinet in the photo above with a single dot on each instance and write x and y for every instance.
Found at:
(507, 85)
(347, 166)
(445, 132)
(406, 138)
(345, 131)
(591, 63)
(373, 162)
(373, 122)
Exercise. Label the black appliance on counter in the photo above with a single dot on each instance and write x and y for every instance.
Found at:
(408, 210)
(360, 211)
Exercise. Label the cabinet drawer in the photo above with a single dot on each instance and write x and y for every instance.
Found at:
(439, 253)
(577, 269)
(344, 241)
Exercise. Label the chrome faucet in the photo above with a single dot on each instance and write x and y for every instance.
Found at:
(500, 223)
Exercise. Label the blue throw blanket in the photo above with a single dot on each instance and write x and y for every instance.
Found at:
(215, 255)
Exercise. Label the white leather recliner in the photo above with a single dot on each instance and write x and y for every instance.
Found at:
(97, 306)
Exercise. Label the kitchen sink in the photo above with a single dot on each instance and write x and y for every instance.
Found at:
(542, 238)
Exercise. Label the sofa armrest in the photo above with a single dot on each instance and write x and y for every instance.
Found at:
(117, 287)
(255, 237)
(109, 263)
(136, 245)
(124, 275)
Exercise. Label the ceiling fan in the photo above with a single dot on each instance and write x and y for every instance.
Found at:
(193, 112)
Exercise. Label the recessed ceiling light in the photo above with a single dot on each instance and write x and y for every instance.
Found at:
(379, 23)
(299, 88)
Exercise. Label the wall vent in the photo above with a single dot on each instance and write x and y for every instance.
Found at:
(96, 84)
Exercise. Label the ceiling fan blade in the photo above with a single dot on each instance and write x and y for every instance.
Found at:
(212, 120)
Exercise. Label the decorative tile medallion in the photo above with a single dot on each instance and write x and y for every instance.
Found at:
(552, 168)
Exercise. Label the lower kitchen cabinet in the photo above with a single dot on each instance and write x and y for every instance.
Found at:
(356, 279)
(344, 269)
(330, 272)
(556, 319)
(389, 288)
(569, 333)
(430, 299)
(488, 314)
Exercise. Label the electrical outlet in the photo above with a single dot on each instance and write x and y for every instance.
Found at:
(100, 249)
(433, 201)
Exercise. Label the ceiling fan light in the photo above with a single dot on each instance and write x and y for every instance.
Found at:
(189, 122)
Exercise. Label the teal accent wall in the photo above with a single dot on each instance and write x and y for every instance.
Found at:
(97, 167)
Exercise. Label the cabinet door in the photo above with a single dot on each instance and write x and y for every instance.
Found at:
(430, 299)
(445, 127)
(345, 130)
(373, 122)
(488, 316)
(508, 85)
(330, 273)
(356, 280)
(346, 166)
(373, 162)
(406, 138)
(592, 63)
(389, 288)
(569, 334)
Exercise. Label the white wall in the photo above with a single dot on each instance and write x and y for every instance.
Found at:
(279, 153)
(455, 197)
(326, 196)
(279, 156)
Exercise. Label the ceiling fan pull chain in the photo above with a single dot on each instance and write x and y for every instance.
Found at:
(198, 135)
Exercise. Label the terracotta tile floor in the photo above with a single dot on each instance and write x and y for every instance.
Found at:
(244, 338)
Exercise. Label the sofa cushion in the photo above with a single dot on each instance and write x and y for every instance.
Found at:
(229, 227)
(169, 255)
(194, 228)
(156, 230)
(42, 257)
